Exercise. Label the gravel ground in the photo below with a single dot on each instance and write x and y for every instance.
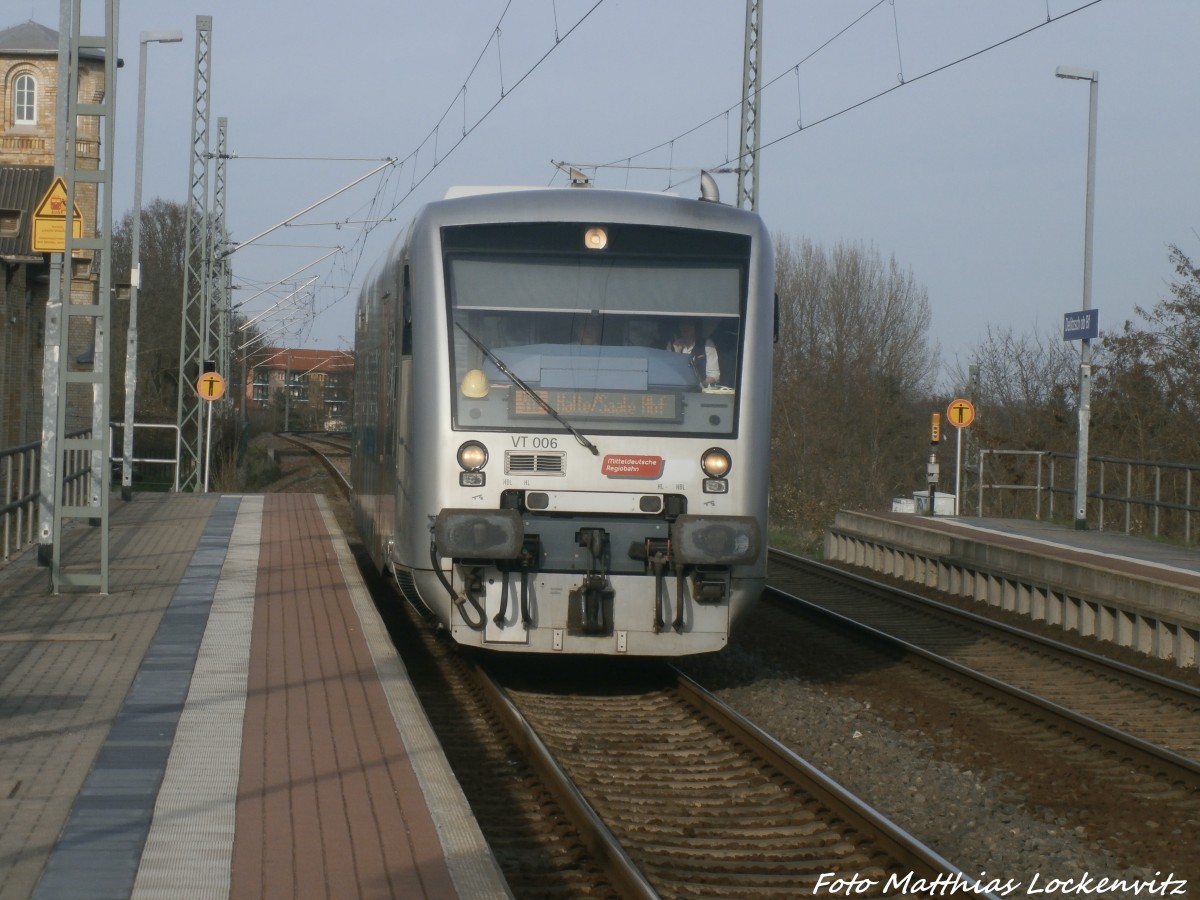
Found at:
(972, 816)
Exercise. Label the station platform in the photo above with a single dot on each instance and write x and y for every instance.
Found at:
(1137, 593)
(230, 720)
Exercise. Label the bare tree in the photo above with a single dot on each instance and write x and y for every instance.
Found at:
(1024, 387)
(1145, 399)
(852, 369)
(160, 298)
(1149, 382)
(1025, 392)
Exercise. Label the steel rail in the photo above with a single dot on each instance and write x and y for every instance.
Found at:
(900, 844)
(1174, 766)
(330, 466)
(602, 843)
(975, 619)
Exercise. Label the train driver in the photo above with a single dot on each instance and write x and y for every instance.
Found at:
(703, 359)
(587, 331)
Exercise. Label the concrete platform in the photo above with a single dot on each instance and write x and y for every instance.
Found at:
(1137, 593)
(229, 721)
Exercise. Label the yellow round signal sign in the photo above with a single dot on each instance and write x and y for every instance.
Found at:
(960, 413)
(210, 386)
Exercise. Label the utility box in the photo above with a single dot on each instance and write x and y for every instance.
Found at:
(904, 505)
(943, 504)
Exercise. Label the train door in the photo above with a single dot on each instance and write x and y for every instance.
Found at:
(403, 407)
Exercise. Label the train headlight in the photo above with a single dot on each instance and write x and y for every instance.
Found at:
(716, 463)
(595, 238)
(472, 456)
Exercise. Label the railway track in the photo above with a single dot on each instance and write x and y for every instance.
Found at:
(332, 452)
(632, 781)
(1151, 711)
(704, 803)
(1092, 753)
(537, 843)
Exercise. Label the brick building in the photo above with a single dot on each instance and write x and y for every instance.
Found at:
(300, 389)
(28, 106)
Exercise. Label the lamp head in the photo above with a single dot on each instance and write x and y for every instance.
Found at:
(161, 37)
(1077, 73)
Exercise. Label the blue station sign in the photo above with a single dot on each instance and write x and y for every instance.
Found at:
(1082, 325)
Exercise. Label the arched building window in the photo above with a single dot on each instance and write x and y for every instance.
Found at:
(25, 100)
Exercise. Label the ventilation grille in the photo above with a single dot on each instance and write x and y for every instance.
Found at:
(533, 463)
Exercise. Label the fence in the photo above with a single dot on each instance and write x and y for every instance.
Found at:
(20, 476)
(20, 489)
(1142, 497)
(150, 472)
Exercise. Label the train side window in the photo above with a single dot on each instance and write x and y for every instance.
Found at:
(406, 314)
(389, 429)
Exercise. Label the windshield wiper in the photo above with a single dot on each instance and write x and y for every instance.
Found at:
(537, 398)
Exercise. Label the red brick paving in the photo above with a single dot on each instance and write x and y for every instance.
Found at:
(328, 804)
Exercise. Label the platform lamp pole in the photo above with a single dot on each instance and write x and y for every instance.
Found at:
(1085, 352)
(135, 267)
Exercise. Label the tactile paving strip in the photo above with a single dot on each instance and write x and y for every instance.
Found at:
(97, 854)
(188, 850)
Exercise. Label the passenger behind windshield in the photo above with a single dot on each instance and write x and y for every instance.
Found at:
(601, 351)
(703, 358)
(587, 331)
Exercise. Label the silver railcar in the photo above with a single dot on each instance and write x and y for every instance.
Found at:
(561, 423)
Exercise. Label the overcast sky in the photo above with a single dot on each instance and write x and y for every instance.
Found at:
(972, 177)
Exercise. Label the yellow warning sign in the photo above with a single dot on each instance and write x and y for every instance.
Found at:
(210, 386)
(50, 220)
(960, 413)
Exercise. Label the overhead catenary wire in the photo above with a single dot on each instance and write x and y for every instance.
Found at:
(931, 72)
(624, 161)
(729, 109)
(354, 253)
(433, 150)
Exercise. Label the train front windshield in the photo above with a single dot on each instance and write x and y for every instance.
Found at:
(616, 328)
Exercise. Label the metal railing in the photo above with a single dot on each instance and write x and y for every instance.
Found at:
(20, 490)
(147, 466)
(20, 472)
(1148, 497)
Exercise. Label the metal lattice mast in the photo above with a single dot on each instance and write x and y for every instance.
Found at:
(194, 325)
(83, 387)
(219, 313)
(747, 184)
(47, 502)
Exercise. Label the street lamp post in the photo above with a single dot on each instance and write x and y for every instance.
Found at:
(1085, 353)
(135, 268)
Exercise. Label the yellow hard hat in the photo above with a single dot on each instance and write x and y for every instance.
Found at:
(474, 384)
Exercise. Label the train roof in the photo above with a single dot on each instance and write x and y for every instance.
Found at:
(564, 204)
(475, 190)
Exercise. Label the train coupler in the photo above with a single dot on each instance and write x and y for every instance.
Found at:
(591, 607)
